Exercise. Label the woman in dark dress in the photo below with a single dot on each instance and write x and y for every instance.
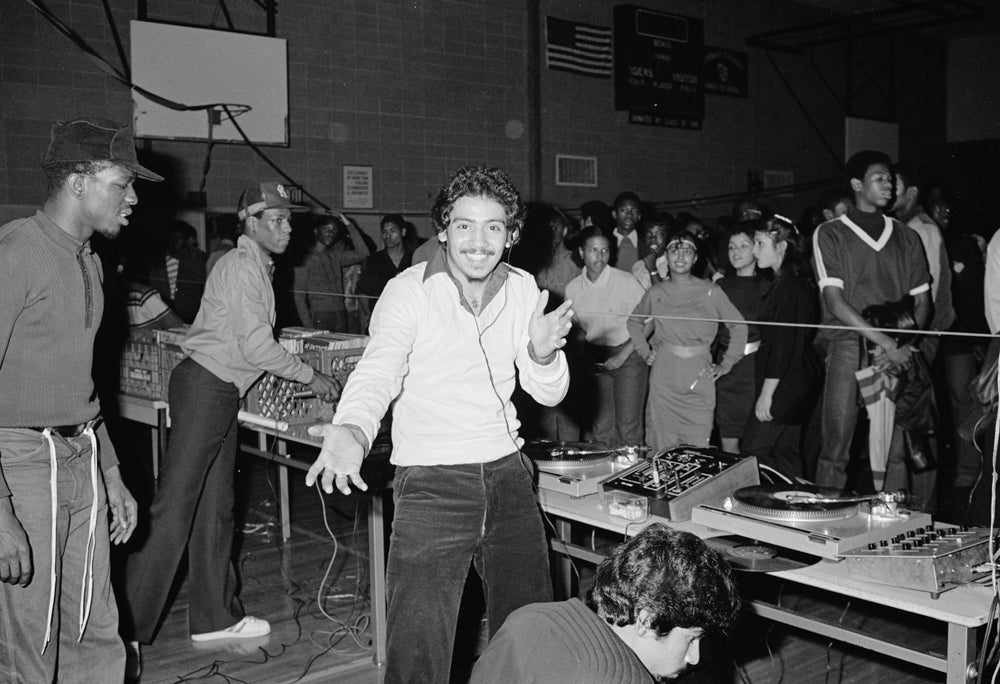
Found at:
(788, 374)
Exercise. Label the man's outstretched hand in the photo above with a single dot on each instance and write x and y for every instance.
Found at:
(339, 461)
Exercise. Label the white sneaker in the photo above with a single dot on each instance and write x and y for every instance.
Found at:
(247, 628)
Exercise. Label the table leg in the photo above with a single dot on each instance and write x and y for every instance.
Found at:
(284, 513)
(961, 652)
(376, 552)
(564, 530)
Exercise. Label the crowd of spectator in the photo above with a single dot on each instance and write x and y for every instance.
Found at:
(741, 331)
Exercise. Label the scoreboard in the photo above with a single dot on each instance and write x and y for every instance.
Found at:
(658, 67)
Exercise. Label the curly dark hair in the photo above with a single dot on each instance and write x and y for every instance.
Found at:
(480, 181)
(56, 172)
(673, 575)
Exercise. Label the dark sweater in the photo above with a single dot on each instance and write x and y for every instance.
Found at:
(51, 303)
(558, 643)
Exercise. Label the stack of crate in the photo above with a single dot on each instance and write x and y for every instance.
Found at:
(148, 358)
(140, 366)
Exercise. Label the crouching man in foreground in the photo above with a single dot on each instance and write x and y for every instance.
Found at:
(652, 601)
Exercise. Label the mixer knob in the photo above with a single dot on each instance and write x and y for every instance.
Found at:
(907, 546)
(911, 533)
(883, 542)
(872, 546)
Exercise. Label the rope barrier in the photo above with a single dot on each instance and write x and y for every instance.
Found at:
(817, 326)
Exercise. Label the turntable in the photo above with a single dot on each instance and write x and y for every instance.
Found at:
(815, 520)
(578, 468)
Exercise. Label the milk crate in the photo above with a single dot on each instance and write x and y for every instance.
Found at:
(339, 353)
(140, 366)
(292, 402)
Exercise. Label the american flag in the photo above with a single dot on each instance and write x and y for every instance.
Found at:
(580, 48)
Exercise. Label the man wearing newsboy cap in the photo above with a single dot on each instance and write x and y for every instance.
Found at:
(59, 619)
(230, 345)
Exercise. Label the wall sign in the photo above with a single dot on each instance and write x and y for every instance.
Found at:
(358, 187)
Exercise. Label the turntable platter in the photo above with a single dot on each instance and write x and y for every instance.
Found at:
(567, 454)
(793, 503)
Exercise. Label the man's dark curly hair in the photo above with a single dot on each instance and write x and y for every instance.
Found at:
(479, 181)
(56, 172)
(674, 576)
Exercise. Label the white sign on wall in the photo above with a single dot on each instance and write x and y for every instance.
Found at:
(358, 187)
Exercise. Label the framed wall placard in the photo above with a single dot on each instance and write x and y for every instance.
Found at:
(358, 187)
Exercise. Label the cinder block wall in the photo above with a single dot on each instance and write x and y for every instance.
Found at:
(416, 88)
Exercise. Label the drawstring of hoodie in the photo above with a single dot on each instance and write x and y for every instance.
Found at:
(87, 581)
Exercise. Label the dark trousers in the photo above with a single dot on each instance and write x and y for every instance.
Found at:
(775, 445)
(840, 412)
(192, 510)
(445, 517)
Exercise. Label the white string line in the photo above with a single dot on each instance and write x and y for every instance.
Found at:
(747, 321)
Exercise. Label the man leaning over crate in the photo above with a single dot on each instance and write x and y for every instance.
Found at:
(230, 345)
(448, 338)
(58, 618)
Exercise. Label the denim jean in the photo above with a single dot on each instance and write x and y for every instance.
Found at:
(192, 510)
(621, 401)
(100, 655)
(840, 411)
(445, 517)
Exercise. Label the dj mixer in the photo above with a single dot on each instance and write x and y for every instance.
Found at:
(679, 479)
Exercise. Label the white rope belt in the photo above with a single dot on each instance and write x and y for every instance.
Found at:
(87, 583)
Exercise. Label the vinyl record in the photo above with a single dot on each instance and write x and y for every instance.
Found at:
(748, 555)
(794, 502)
(554, 452)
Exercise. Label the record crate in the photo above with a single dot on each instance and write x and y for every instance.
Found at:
(140, 366)
(286, 400)
(148, 357)
(339, 352)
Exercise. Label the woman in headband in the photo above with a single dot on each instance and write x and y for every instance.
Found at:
(685, 312)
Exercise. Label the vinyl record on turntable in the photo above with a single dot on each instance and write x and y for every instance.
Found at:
(555, 454)
(793, 503)
(748, 555)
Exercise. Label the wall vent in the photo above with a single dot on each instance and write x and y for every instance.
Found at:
(576, 171)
